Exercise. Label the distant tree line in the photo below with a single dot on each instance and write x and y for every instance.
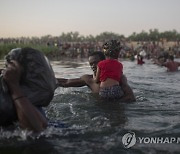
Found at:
(49, 44)
(152, 35)
(155, 35)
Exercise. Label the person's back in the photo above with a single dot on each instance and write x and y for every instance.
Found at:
(109, 71)
(171, 65)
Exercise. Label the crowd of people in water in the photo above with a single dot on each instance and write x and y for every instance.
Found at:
(129, 49)
(28, 75)
(81, 49)
(159, 52)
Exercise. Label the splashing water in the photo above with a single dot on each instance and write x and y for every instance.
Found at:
(97, 127)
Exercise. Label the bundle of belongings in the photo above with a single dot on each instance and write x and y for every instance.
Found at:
(38, 82)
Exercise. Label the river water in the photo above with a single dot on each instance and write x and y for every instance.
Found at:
(93, 126)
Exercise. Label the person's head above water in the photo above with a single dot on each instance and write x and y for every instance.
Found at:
(171, 57)
(112, 48)
(94, 58)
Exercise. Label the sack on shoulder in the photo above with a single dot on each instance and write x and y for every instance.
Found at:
(38, 80)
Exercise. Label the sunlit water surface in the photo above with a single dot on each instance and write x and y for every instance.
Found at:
(94, 126)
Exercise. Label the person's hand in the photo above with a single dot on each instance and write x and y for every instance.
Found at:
(12, 73)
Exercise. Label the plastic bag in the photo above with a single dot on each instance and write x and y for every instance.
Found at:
(38, 81)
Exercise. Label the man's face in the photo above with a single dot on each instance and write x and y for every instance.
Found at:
(93, 61)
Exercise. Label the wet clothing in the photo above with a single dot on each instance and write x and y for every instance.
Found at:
(140, 60)
(110, 68)
(113, 92)
(55, 123)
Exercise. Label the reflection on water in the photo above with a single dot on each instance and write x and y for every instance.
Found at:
(97, 127)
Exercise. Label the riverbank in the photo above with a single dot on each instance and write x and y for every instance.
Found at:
(82, 49)
(47, 50)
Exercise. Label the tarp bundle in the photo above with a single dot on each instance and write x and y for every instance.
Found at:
(38, 81)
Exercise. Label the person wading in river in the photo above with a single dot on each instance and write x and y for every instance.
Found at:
(87, 80)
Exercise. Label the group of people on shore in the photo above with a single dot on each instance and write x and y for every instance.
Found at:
(107, 80)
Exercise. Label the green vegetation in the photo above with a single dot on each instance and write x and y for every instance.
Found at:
(5, 48)
(155, 35)
(50, 44)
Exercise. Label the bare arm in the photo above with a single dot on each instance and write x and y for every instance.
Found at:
(97, 77)
(128, 92)
(164, 64)
(160, 63)
(28, 115)
(78, 82)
